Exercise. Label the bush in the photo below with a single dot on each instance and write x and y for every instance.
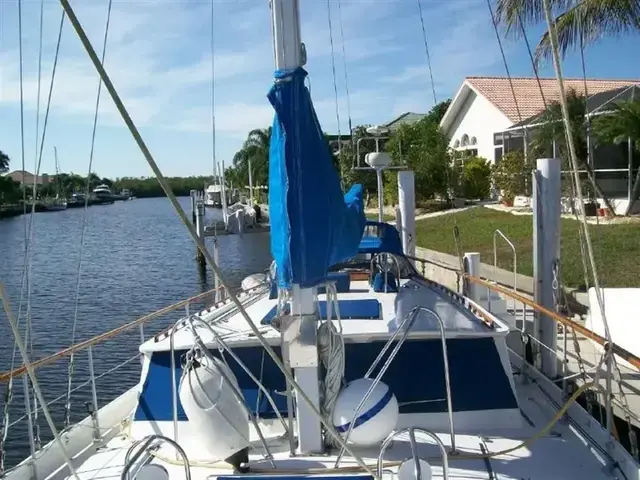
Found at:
(476, 178)
(512, 176)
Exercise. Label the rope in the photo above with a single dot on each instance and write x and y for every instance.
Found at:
(34, 381)
(335, 85)
(67, 407)
(426, 49)
(332, 355)
(346, 78)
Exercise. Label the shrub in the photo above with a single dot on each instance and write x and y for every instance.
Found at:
(476, 178)
(512, 175)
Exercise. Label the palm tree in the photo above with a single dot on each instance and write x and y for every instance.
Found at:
(622, 125)
(254, 155)
(4, 162)
(579, 22)
(551, 130)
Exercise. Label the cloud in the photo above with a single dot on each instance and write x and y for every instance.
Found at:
(158, 56)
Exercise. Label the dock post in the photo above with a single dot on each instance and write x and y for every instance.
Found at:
(217, 296)
(471, 264)
(546, 259)
(407, 201)
(199, 201)
(192, 194)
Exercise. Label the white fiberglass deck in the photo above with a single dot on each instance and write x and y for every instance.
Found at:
(563, 453)
(458, 321)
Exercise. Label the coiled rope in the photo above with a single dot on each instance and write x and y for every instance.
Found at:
(332, 356)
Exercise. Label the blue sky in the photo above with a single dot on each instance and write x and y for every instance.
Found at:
(158, 56)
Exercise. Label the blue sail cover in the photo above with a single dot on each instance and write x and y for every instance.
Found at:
(313, 226)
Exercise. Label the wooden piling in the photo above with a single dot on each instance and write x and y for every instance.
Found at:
(199, 222)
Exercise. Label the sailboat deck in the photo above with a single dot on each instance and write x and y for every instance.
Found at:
(358, 322)
(562, 453)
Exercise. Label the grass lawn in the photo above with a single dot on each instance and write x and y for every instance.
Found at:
(617, 247)
(386, 218)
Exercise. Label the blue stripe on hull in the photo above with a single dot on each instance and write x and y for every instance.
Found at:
(478, 380)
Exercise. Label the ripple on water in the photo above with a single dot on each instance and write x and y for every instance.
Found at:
(137, 258)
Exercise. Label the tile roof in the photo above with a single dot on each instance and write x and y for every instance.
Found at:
(530, 102)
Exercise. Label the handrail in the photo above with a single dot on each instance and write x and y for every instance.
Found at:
(515, 264)
(414, 450)
(130, 461)
(602, 341)
(16, 372)
(616, 349)
(409, 319)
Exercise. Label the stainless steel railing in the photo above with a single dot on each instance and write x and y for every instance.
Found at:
(409, 320)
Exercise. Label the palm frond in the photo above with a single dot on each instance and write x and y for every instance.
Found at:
(509, 13)
(593, 19)
(622, 123)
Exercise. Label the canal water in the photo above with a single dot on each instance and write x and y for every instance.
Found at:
(137, 258)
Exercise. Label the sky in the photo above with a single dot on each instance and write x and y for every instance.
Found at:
(158, 55)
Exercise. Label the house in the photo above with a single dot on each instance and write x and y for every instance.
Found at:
(21, 176)
(407, 118)
(484, 107)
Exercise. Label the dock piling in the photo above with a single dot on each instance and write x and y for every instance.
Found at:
(546, 259)
(198, 199)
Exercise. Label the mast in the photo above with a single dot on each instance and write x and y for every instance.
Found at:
(289, 55)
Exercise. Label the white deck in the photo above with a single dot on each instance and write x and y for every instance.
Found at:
(561, 454)
(458, 322)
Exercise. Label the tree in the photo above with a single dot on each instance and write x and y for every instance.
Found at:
(254, 152)
(438, 110)
(10, 191)
(581, 22)
(424, 148)
(552, 130)
(4, 162)
(512, 175)
(621, 125)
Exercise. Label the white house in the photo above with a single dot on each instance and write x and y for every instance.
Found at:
(484, 107)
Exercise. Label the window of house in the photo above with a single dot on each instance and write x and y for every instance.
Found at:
(465, 140)
(474, 141)
(497, 155)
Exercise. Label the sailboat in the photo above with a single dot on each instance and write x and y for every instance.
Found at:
(59, 202)
(344, 362)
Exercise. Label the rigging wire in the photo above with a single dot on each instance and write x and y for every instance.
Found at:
(533, 62)
(213, 95)
(504, 59)
(67, 406)
(346, 77)
(574, 160)
(335, 86)
(426, 49)
(34, 381)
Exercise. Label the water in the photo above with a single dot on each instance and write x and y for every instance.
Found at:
(137, 258)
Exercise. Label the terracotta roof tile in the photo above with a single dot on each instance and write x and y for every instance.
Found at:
(530, 102)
